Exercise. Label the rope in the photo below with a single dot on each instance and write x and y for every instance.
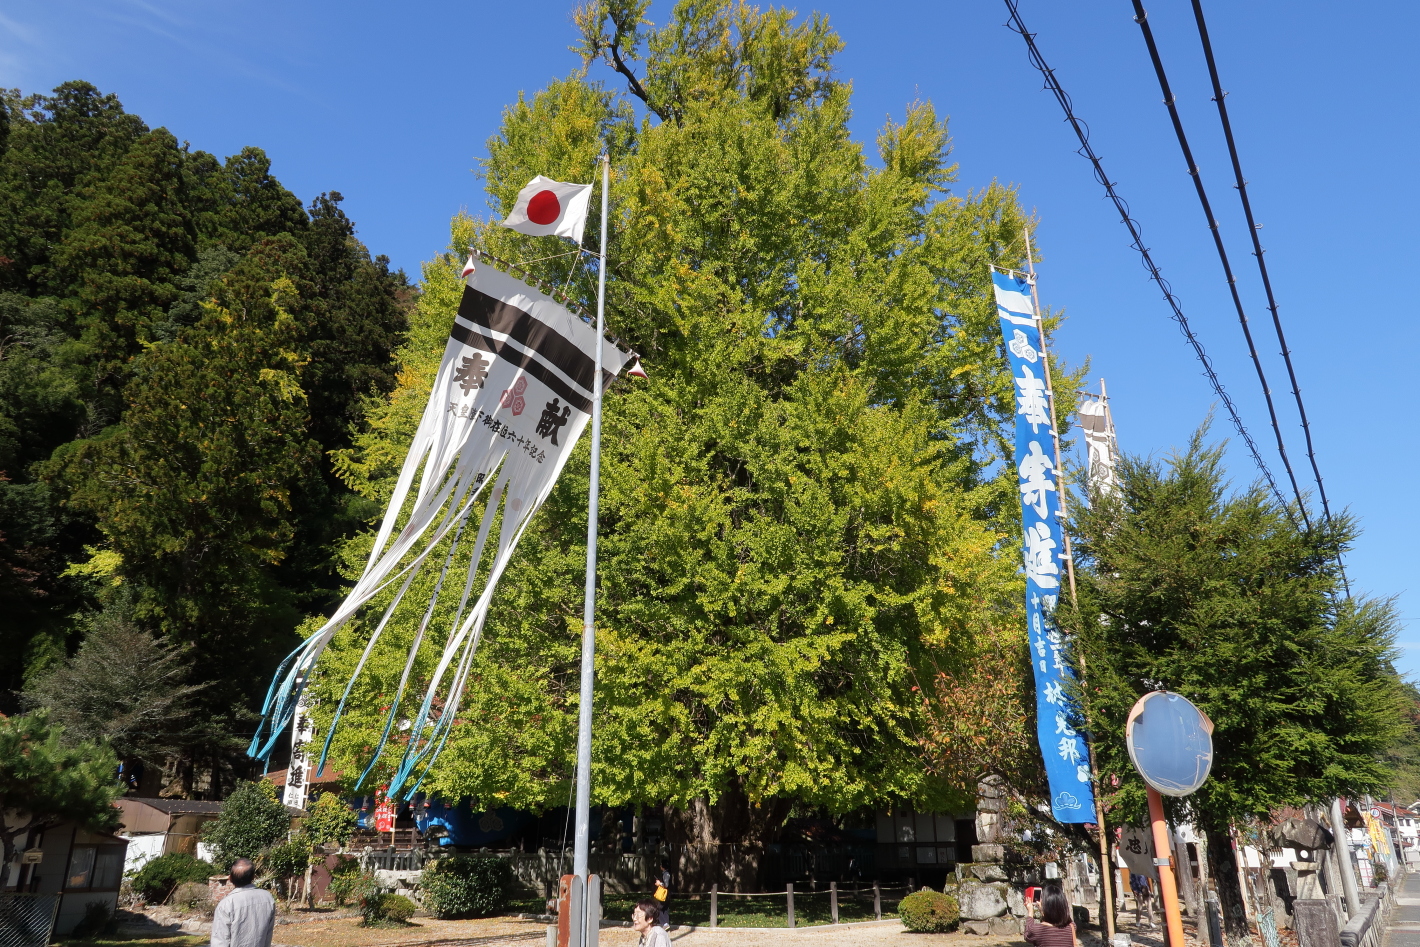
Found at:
(1086, 151)
(1142, 19)
(1220, 97)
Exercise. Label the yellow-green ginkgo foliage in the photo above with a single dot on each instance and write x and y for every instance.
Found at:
(801, 518)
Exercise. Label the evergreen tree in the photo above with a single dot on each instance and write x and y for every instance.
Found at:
(125, 688)
(255, 204)
(44, 783)
(133, 236)
(114, 243)
(40, 409)
(57, 143)
(357, 317)
(193, 491)
(1222, 597)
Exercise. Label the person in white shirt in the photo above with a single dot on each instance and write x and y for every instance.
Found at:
(245, 917)
(646, 921)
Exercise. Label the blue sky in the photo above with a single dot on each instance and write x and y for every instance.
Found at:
(391, 104)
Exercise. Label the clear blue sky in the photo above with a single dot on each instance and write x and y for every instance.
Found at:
(391, 104)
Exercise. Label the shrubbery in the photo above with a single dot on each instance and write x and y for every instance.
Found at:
(252, 819)
(348, 883)
(377, 908)
(466, 887)
(929, 912)
(157, 879)
(192, 896)
(285, 860)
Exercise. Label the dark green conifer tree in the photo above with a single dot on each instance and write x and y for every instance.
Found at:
(1227, 599)
(142, 445)
(133, 236)
(57, 142)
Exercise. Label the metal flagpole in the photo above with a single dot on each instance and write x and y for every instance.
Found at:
(1106, 863)
(582, 834)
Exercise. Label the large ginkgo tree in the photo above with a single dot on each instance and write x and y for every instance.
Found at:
(802, 525)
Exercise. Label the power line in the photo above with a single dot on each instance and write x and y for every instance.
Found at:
(1254, 230)
(1086, 151)
(1142, 19)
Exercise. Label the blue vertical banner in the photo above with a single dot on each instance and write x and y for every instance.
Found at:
(1067, 761)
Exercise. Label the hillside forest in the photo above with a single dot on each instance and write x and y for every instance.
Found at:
(183, 342)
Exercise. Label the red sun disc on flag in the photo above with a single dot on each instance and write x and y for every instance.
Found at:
(544, 207)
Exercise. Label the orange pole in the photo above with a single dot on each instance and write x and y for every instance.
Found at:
(1168, 885)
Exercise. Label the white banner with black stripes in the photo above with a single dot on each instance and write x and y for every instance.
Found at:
(513, 393)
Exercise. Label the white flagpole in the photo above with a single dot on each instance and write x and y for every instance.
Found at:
(582, 835)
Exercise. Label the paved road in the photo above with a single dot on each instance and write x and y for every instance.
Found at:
(1404, 928)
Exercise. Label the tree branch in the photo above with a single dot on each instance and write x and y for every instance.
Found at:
(634, 84)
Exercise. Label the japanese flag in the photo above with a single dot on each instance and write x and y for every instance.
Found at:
(547, 207)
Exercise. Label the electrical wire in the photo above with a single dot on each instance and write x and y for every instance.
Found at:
(1254, 229)
(1017, 25)
(1142, 18)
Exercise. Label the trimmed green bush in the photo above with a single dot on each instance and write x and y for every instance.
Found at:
(157, 879)
(251, 820)
(466, 886)
(929, 912)
(377, 909)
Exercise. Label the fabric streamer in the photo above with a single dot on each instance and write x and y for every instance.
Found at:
(1062, 747)
(513, 394)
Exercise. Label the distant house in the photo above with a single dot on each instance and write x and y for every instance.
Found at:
(71, 865)
(157, 827)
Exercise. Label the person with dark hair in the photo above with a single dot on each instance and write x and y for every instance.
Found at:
(245, 917)
(663, 891)
(1056, 928)
(646, 921)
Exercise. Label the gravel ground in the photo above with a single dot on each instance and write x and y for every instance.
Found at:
(507, 932)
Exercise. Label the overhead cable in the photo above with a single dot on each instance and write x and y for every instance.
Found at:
(1254, 229)
(1081, 130)
(1142, 18)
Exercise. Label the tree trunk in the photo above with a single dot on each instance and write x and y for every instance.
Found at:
(723, 843)
(1223, 866)
(1183, 870)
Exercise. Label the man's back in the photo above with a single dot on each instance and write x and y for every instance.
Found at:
(244, 918)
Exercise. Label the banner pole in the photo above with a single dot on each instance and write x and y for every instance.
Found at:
(581, 839)
(1106, 863)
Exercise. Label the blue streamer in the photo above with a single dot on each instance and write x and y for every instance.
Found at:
(1062, 746)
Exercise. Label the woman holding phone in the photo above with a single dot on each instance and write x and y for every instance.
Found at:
(1056, 928)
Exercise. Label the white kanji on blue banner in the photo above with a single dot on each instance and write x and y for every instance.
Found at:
(1067, 761)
